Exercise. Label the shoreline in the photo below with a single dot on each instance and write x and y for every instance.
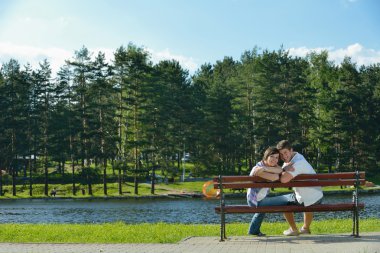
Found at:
(376, 190)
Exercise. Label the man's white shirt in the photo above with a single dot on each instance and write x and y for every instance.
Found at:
(305, 195)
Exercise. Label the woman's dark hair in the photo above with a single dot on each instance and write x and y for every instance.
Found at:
(270, 151)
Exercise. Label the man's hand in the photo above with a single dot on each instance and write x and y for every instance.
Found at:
(3, 172)
(286, 177)
(288, 167)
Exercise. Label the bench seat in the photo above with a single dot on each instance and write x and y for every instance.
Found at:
(290, 209)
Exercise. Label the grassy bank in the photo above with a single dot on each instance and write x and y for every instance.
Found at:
(65, 190)
(156, 233)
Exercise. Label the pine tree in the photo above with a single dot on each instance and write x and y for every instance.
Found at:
(102, 114)
(66, 119)
(43, 89)
(15, 117)
(82, 76)
(269, 102)
(170, 111)
(322, 78)
(133, 72)
(370, 77)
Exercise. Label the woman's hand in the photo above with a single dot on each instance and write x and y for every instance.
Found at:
(277, 177)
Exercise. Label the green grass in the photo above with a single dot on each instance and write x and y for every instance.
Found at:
(187, 186)
(65, 190)
(156, 233)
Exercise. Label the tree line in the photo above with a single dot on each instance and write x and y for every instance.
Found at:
(136, 115)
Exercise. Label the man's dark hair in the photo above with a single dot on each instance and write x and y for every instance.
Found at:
(284, 144)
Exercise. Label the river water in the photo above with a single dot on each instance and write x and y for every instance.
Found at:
(193, 210)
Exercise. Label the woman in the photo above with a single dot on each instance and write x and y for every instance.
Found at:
(268, 169)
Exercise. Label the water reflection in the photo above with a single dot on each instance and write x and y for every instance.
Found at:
(147, 210)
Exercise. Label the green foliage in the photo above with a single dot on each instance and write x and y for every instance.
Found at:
(138, 115)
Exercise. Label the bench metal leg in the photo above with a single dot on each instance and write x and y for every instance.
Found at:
(355, 201)
(353, 223)
(357, 223)
(222, 213)
(222, 225)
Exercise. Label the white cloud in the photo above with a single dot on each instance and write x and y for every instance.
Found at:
(303, 51)
(187, 62)
(34, 55)
(156, 56)
(56, 56)
(358, 53)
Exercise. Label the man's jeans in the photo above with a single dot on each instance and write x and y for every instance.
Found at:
(257, 219)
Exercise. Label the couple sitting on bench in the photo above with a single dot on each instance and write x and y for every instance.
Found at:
(268, 168)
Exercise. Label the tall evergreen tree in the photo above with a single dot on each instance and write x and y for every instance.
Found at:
(170, 112)
(201, 83)
(348, 113)
(134, 65)
(43, 89)
(102, 110)
(248, 74)
(322, 78)
(14, 117)
(270, 101)
(67, 118)
(370, 76)
(82, 76)
(219, 114)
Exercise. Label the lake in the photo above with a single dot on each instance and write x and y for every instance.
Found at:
(142, 210)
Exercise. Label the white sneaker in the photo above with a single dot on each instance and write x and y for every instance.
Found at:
(290, 232)
(305, 231)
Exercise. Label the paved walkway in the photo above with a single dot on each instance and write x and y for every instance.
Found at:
(367, 243)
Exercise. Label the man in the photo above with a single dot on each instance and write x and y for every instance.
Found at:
(295, 164)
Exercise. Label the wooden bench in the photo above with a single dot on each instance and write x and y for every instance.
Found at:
(332, 179)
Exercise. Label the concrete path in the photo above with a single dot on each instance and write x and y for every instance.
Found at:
(367, 243)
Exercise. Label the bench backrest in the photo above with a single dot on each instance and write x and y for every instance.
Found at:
(305, 180)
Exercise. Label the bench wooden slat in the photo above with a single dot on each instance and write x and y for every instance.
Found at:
(335, 179)
(341, 175)
(292, 183)
(285, 209)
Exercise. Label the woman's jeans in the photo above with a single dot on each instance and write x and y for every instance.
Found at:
(257, 219)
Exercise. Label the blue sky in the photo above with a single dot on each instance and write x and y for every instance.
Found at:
(191, 31)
